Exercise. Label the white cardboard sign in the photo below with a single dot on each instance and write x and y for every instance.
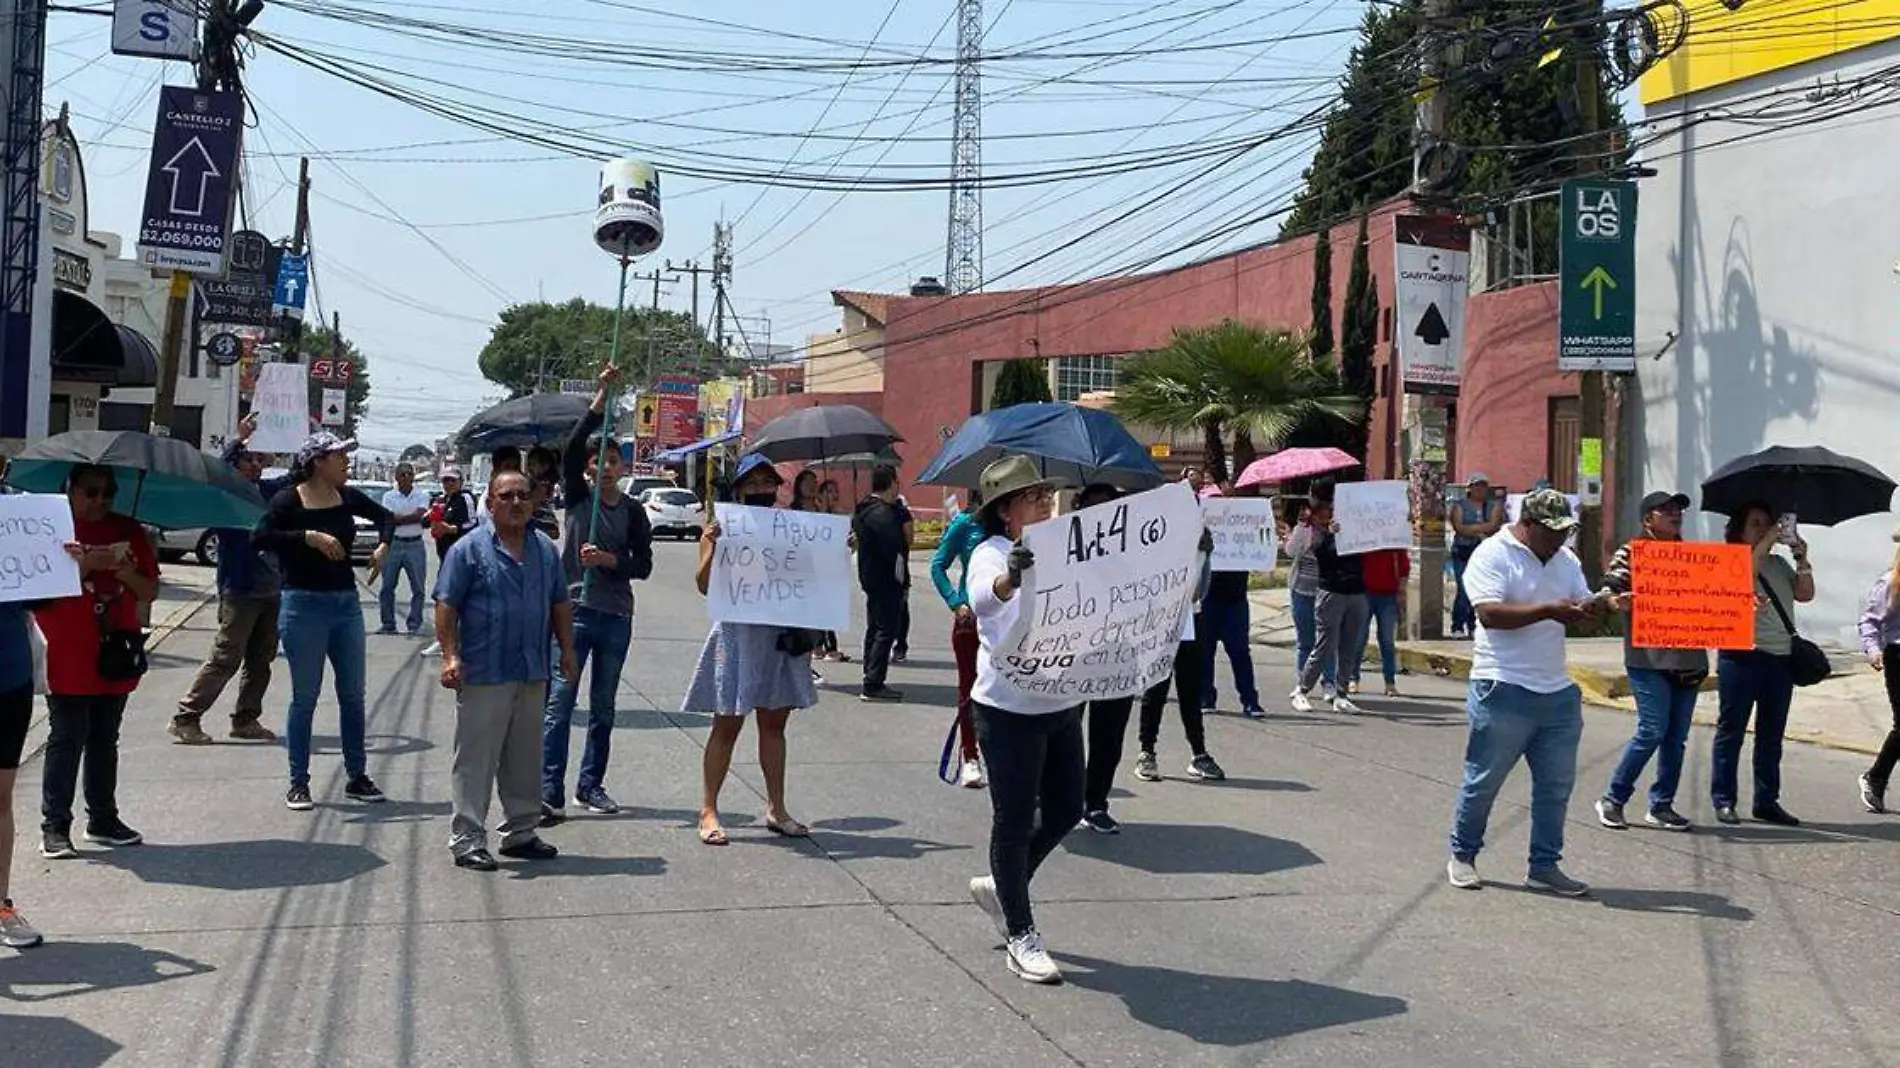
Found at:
(1109, 597)
(1245, 538)
(281, 403)
(1372, 516)
(34, 530)
(781, 568)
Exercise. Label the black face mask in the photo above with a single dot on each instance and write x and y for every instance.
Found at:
(759, 500)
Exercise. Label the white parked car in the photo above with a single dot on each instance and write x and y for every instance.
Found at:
(673, 511)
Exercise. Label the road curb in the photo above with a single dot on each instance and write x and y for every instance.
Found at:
(165, 629)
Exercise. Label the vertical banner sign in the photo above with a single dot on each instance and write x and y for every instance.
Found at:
(1596, 328)
(281, 403)
(1108, 598)
(677, 421)
(781, 568)
(1433, 275)
(292, 285)
(1245, 538)
(155, 29)
(1691, 595)
(34, 530)
(187, 218)
(1373, 516)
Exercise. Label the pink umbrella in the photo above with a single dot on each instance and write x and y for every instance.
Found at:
(1289, 464)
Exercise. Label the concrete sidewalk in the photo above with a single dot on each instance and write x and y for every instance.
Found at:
(1849, 711)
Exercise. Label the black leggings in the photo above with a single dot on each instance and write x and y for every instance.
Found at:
(1108, 726)
(1036, 784)
(1187, 689)
(1889, 752)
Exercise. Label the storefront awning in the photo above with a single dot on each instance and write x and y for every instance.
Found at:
(88, 347)
(673, 456)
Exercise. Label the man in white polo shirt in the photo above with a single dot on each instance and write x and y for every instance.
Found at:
(1525, 586)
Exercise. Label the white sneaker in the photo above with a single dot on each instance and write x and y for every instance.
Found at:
(1301, 702)
(983, 892)
(432, 649)
(1463, 874)
(1343, 704)
(1030, 961)
(971, 778)
(15, 932)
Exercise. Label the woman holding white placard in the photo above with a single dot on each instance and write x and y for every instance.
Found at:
(748, 667)
(1031, 743)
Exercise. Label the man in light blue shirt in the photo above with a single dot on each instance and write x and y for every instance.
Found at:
(499, 595)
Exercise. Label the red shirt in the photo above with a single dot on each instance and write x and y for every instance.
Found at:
(69, 626)
(1385, 570)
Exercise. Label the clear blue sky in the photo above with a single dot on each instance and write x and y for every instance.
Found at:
(419, 247)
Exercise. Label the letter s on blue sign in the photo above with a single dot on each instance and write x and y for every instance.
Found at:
(156, 26)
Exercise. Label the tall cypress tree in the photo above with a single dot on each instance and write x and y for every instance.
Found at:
(1322, 330)
(1359, 334)
(1020, 382)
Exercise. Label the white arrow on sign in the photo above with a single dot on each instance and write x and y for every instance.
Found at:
(291, 285)
(181, 168)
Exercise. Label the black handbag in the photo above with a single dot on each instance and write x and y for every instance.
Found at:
(1809, 662)
(121, 652)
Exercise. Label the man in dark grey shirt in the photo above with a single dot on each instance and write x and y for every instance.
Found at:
(607, 545)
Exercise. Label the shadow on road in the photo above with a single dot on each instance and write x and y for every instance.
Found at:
(67, 969)
(1675, 902)
(50, 1042)
(1193, 849)
(568, 865)
(262, 864)
(1221, 1010)
(1275, 786)
(393, 811)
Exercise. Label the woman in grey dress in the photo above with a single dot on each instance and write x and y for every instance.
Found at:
(748, 667)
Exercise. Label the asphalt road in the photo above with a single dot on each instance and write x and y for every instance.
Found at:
(1296, 914)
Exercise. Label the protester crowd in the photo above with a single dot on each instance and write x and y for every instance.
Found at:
(524, 602)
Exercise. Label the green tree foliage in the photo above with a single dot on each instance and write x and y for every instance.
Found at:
(317, 343)
(1321, 334)
(1502, 98)
(1021, 382)
(1359, 336)
(1261, 384)
(573, 340)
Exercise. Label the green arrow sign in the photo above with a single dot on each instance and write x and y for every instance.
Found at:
(1597, 290)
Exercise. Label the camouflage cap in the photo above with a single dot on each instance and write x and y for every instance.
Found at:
(1548, 508)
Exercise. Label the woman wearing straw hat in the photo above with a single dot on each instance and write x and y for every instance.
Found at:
(1031, 743)
(748, 668)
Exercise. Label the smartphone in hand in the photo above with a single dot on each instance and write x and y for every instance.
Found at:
(1785, 533)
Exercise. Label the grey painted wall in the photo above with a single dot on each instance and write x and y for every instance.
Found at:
(1773, 259)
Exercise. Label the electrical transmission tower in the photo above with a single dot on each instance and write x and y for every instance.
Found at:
(963, 251)
(721, 280)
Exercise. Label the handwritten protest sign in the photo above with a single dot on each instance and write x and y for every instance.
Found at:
(34, 530)
(1107, 597)
(1244, 535)
(281, 403)
(1372, 516)
(1691, 595)
(783, 568)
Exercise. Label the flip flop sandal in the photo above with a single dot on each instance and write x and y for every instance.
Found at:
(713, 836)
(793, 829)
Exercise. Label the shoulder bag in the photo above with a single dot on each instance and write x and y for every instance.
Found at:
(121, 651)
(1810, 663)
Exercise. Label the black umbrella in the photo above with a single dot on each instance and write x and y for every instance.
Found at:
(537, 419)
(1819, 486)
(827, 430)
(162, 482)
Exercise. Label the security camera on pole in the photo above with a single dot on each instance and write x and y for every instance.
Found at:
(627, 225)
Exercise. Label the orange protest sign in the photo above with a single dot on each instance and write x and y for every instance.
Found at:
(1691, 595)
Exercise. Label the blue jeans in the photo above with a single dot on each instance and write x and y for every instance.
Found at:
(1508, 723)
(1463, 616)
(1761, 683)
(604, 638)
(1664, 710)
(404, 558)
(1226, 624)
(1385, 616)
(315, 625)
(1306, 632)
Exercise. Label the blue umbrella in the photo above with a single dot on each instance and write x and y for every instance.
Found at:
(162, 482)
(1072, 445)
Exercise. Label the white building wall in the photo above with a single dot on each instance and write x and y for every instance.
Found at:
(1775, 261)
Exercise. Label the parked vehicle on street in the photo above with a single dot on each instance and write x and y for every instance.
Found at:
(673, 511)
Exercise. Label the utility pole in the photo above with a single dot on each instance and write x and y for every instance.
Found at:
(1591, 391)
(217, 71)
(1430, 165)
(299, 237)
(656, 276)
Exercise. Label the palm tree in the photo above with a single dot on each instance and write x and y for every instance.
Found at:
(1258, 383)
